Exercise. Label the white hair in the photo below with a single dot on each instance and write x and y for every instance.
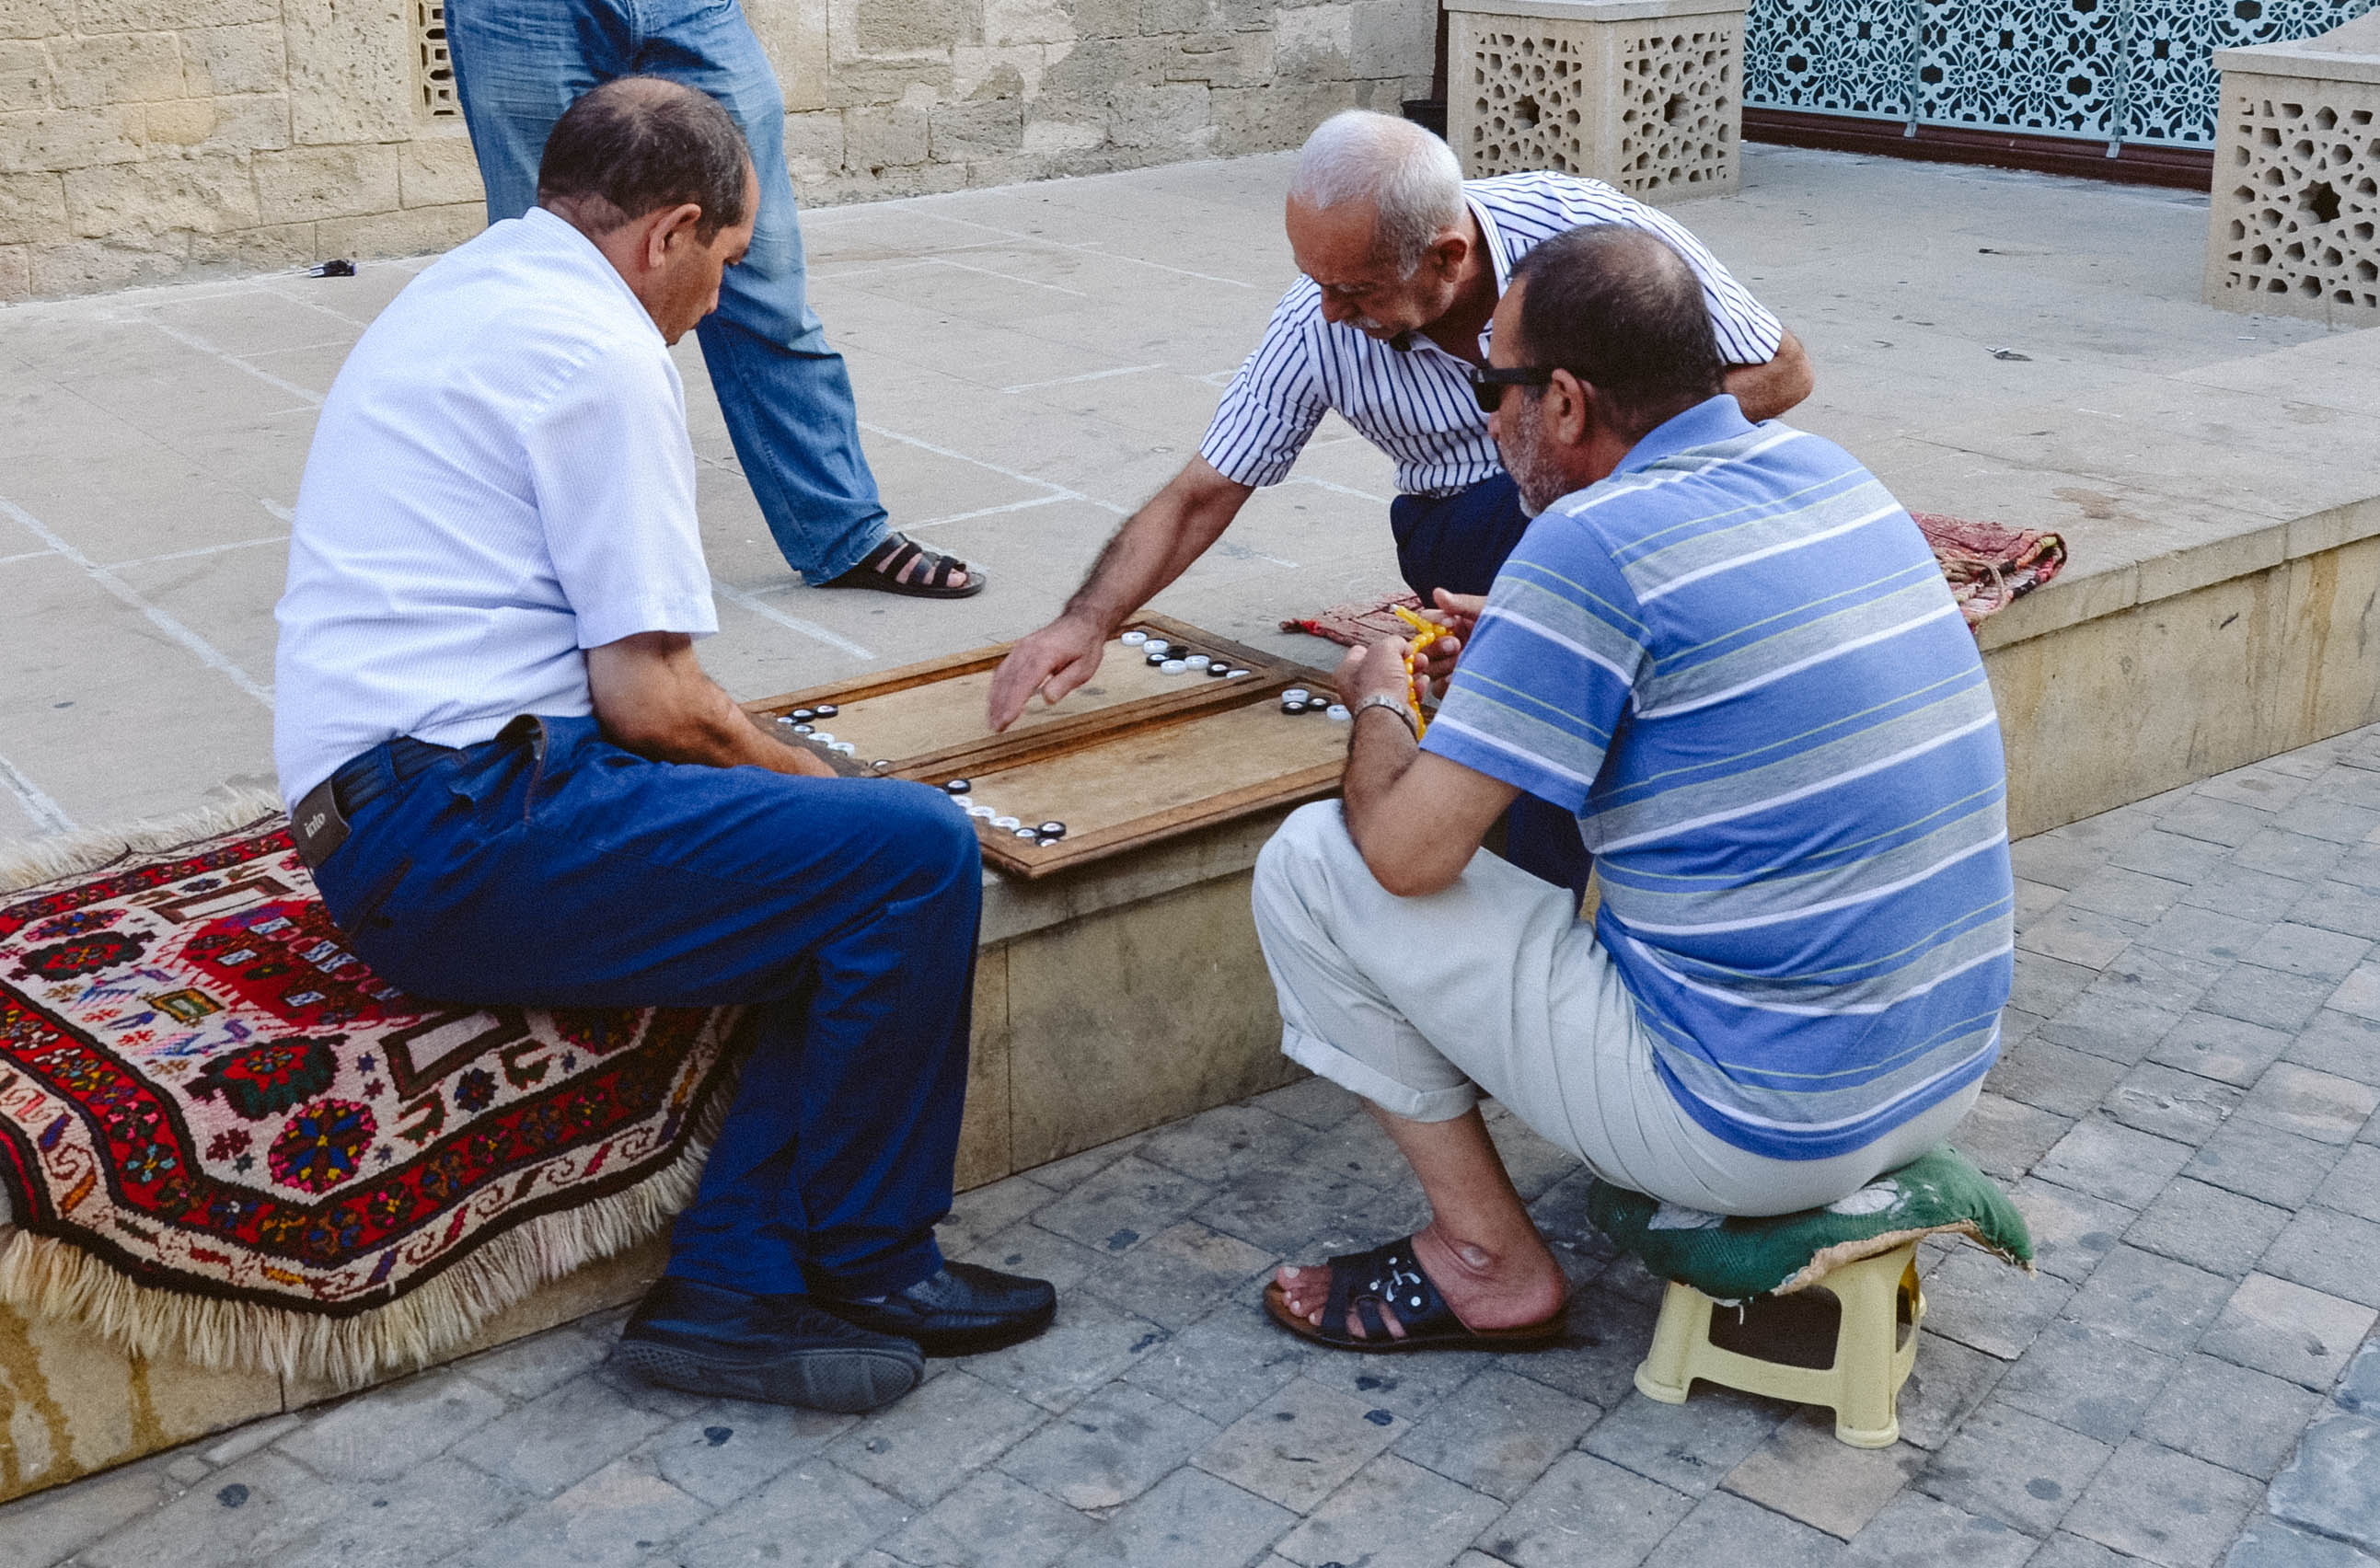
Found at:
(1357, 155)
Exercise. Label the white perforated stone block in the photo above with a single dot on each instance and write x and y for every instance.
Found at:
(2295, 224)
(1642, 94)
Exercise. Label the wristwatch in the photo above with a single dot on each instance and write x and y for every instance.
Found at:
(1394, 705)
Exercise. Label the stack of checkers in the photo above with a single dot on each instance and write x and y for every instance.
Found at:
(1174, 659)
(962, 793)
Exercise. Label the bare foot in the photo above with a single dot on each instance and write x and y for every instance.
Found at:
(1485, 1292)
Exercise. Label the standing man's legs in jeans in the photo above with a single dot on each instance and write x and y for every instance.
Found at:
(786, 394)
(1459, 542)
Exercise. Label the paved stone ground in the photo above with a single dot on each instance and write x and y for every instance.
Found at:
(2186, 1113)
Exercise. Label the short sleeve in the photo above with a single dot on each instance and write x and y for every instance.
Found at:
(1273, 402)
(614, 475)
(1549, 670)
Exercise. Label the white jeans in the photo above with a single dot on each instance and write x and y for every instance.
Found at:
(1418, 1005)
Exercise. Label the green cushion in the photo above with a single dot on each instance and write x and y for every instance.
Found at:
(1732, 1260)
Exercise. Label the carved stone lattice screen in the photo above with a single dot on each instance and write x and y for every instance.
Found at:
(2111, 70)
(2295, 226)
(1644, 94)
(433, 75)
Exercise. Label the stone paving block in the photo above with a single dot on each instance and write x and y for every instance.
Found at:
(2164, 1506)
(1689, 1448)
(992, 1521)
(2359, 993)
(2035, 899)
(2339, 907)
(50, 1526)
(732, 1447)
(1918, 1531)
(2309, 949)
(2286, 853)
(2196, 932)
(2322, 1106)
(2358, 1386)
(2208, 1226)
(2333, 1485)
(558, 1439)
(2014, 1467)
(1586, 1512)
(2268, 1542)
(2329, 1251)
(1065, 1175)
(1608, 1334)
(2125, 894)
(2319, 816)
(2087, 1381)
(2113, 1162)
(1176, 1277)
(2263, 1163)
(245, 1440)
(396, 1427)
(2071, 1231)
(2254, 994)
(1191, 1517)
(2173, 857)
(2017, 1026)
(1407, 1386)
(244, 1513)
(1223, 1366)
(927, 1442)
(813, 1515)
(1110, 1448)
(1091, 1342)
(2059, 860)
(2053, 1077)
(539, 1364)
(2224, 1048)
(1115, 1208)
(2042, 985)
(984, 1212)
(2340, 1044)
(2005, 1139)
(1944, 1387)
(2151, 976)
(1316, 1102)
(1726, 1529)
(1393, 1514)
(1301, 1446)
(1980, 1301)
(2172, 1103)
(1218, 1144)
(2289, 1330)
(1804, 1472)
(2230, 1415)
(1498, 1433)
(2079, 936)
(438, 1510)
(1025, 1248)
(2246, 893)
(2202, 816)
(2152, 1301)
(2066, 1551)
(1281, 1211)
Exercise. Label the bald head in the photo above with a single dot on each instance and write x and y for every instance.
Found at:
(638, 143)
(1407, 175)
(1618, 309)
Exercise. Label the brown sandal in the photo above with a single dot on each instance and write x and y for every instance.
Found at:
(881, 569)
(1386, 1283)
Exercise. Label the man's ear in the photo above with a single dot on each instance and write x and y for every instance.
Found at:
(1446, 253)
(1573, 408)
(670, 228)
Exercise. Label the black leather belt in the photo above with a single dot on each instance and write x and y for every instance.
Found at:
(320, 824)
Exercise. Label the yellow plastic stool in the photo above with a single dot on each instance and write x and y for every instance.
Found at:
(1872, 1360)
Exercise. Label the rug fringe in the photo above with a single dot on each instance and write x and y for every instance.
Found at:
(29, 863)
(55, 1279)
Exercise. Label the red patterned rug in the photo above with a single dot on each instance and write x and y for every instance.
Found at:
(228, 1138)
(1988, 565)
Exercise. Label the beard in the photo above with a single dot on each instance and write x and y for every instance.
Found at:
(1540, 483)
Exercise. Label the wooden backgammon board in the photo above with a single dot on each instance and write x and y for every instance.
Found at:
(1135, 756)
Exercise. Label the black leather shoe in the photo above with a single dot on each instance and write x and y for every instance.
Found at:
(962, 1310)
(777, 1349)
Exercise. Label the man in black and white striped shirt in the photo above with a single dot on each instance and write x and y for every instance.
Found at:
(1403, 263)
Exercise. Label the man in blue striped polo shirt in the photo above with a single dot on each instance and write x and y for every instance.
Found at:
(1402, 264)
(1727, 651)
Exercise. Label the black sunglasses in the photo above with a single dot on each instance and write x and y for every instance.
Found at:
(1487, 383)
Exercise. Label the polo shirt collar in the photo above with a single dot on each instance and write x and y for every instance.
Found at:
(1713, 419)
(1497, 252)
(552, 228)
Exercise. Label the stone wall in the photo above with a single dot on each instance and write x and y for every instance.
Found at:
(141, 140)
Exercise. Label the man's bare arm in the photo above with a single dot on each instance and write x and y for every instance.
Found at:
(1155, 545)
(1766, 391)
(1418, 818)
(651, 696)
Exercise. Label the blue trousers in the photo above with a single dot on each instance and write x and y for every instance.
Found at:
(518, 64)
(548, 867)
(1459, 542)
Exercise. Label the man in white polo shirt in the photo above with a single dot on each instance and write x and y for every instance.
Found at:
(515, 786)
(1403, 263)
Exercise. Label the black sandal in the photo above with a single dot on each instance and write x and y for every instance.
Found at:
(1388, 1283)
(881, 569)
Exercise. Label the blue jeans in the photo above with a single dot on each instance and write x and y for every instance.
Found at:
(518, 64)
(548, 867)
(1459, 542)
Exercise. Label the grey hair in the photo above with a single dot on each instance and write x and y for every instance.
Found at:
(1359, 155)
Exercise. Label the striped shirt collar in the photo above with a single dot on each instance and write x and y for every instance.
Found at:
(1711, 421)
(1491, 239)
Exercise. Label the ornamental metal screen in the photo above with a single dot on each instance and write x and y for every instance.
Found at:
(2102, 70)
